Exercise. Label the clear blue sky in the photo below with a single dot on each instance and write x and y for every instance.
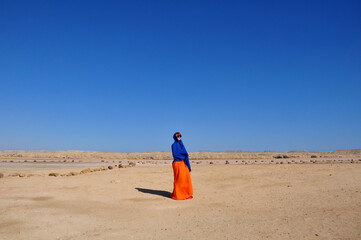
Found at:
(230, 75)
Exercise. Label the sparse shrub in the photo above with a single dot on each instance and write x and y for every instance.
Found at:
(227, 162)
(278, 156)
(313, 156)
(285, 156)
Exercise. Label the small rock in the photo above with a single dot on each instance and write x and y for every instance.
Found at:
(73, 174)
(110, 167)
(289, 185)
(210, 162)
(84, 171)
(227, 162)
(22, 175)
(120, 166)
(53, 174)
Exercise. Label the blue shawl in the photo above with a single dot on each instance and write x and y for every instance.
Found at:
(179, 152)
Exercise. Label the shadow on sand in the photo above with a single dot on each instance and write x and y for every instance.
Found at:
(155, 192)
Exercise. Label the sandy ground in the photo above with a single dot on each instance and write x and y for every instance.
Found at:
(270, 201)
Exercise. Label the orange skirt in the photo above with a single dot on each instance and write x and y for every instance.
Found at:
(183, 188)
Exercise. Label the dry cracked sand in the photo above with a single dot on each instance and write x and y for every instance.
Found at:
(268, 201)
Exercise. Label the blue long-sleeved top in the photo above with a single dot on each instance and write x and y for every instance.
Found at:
(179, 152)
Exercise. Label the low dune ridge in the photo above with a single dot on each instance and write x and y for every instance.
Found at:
(166, 155)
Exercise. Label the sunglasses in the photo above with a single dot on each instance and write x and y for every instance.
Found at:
(179, 136)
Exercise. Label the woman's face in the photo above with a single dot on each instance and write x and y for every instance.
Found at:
(179, 137)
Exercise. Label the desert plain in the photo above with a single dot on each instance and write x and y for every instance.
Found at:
(277, 197)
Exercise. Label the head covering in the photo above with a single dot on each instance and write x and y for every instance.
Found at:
(175, 136)
(179, 151)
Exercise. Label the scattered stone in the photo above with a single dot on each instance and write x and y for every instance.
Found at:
(53, 174)
(132, 164)
(63, 174)
(102, 168)
(84, 171)
(22, 175)
(110, 167)
(227, 162)
(72, 174)
(120, 166)
(210, 162)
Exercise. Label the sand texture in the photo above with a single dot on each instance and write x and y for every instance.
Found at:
(270, 201)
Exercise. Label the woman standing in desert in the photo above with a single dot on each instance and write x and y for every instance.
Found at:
(183, 188)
